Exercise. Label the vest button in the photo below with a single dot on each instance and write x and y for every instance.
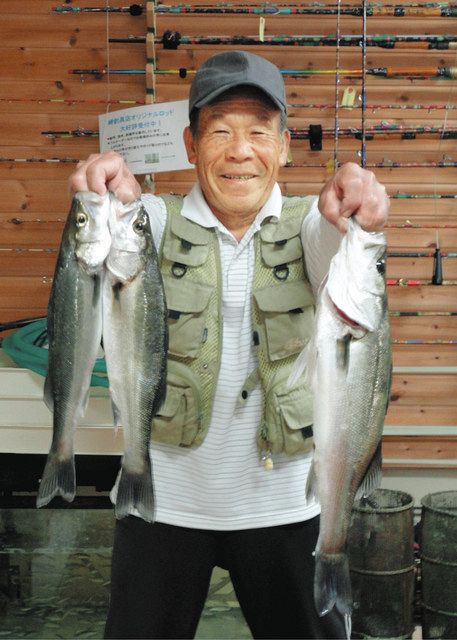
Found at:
(244, 394)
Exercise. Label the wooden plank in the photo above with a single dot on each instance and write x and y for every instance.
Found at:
(422, 298)
(424, 389)
(27, 263)
(421, 415)
(192, 57)
(421, 238)
(55, 64)
(433, 447)
(436, 355)
(424, 328)
(421, 268)
(71, 31)
(24, 292)
(48, 197)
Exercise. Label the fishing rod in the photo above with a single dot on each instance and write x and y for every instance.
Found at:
(420, 254)
(71, 101)
(431, 73)
(423, 196)
(375, 106)
(74, 133)
(410, 225)
(404, 282)
(420, 341)
(50, 160)
(373, 9)
(133, 9)
(315, 133)
(385, 164)
(173, 39)
(417, 314)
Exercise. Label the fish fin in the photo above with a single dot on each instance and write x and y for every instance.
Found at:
(59, 479)
(136, 491)
(332, 584)
(373, 475)
(47, 394)
(116, 414)
(311, 484)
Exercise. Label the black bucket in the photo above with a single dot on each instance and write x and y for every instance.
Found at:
(439, 565)
(381, 560)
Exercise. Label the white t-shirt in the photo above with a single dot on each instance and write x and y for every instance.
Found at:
(222, 484)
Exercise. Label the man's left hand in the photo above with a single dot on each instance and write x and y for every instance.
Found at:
(354, 191)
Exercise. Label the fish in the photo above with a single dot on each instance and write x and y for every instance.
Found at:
(135, 341)
(74, 330)
(348, 364)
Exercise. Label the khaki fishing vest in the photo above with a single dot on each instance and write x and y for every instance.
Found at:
(282, 322)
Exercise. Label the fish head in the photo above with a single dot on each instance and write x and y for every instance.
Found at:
(131, 239)
(356, 283)
(90, 213)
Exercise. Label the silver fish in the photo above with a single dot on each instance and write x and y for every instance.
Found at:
(350, 371)
(74, 334)
(135, 340)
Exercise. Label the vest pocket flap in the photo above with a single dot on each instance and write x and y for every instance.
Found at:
(297, 408)
(189, 231)
(186, 296)
(280, 253)
(284, 297)
(172, 402)
(185, 252)
(282, 230)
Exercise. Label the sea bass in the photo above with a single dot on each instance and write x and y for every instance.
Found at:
(350, 370)
(74, 334)
(135, 341)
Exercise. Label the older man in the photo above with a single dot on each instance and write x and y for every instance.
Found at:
(232, 444)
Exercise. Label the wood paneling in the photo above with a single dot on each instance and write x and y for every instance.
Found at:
(37, 93)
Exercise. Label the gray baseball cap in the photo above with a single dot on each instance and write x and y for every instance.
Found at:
(234, 68)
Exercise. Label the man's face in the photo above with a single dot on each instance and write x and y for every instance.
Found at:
(237, 153)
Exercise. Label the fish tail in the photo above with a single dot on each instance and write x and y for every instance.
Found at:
(59, 479)
(332, 584)
(136, 491)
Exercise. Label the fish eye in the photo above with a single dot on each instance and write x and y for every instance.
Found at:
(139, 225)
(381, 266)
(81, 219)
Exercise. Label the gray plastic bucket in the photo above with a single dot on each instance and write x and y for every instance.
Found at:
(381, 560)
(439, 565)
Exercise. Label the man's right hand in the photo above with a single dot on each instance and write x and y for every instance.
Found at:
(102, 172)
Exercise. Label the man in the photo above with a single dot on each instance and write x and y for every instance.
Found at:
(233, 443)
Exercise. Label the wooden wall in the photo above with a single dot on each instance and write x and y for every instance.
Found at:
(38, 94)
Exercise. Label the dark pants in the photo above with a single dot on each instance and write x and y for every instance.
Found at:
(161, 576)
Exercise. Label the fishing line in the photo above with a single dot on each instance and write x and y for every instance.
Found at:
(337, 87)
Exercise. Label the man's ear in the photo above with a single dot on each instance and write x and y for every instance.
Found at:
(189, 143)
(285, 147)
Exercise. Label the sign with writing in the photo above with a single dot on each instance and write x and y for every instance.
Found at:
(149, 138)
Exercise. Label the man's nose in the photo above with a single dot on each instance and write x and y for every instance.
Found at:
(240, 148)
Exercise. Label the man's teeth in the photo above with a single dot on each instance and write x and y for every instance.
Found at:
(238, 177)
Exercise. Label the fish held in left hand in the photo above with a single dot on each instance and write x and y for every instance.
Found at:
(74, 334)
(349, 365)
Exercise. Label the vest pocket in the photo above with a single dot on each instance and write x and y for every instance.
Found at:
(178, 420)
(187, 304)
(287, 310)
(289, 419)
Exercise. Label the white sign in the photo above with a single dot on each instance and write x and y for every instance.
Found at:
(149, 138)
